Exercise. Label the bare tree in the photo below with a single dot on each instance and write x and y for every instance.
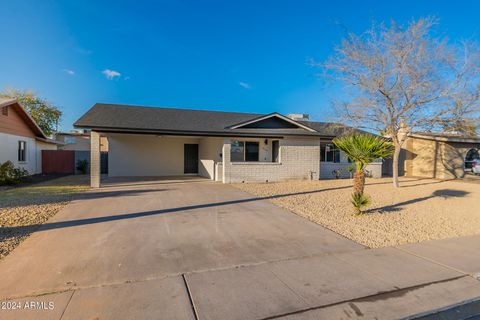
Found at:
(401, 78)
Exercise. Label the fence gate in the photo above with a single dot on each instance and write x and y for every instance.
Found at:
(58, 161)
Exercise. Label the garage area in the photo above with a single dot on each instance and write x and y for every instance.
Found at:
(140, 155)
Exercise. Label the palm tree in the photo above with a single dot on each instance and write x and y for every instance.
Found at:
(362, 149)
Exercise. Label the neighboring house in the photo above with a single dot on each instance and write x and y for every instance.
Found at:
(442, 156)
(222, 146)
(78, 141)
(21, 139)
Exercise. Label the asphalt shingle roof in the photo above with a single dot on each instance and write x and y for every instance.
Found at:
(114, 117)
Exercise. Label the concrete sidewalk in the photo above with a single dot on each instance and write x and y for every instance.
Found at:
(385, 283)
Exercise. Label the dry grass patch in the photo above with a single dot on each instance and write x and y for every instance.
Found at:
(23, 209)
(421, 209)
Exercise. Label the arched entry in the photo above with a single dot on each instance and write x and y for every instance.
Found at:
(471, 156)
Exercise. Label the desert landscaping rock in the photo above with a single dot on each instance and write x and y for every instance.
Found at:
(421, 209)
(23, 209)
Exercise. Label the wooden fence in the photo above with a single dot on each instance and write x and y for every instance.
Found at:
(58, 161)
(64, 161)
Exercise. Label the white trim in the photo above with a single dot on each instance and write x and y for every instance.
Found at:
(237, 126)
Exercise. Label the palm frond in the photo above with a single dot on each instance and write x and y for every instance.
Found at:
(364, 148)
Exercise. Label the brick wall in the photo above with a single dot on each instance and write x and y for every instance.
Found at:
(95, 160)
(298, 158)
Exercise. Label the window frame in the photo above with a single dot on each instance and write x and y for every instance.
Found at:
(243, 150)
(336, 154)
(277, 160)
(22, 152)
(244, 144)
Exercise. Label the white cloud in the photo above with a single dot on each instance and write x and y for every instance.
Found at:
(68, 71)
(111, 74)
(244, 85)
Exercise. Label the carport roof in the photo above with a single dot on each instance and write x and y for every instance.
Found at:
(140, 119)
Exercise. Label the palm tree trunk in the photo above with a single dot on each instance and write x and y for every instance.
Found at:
(358, 182)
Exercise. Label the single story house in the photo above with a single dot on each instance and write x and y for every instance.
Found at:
(78, 141)
(223, 146)
(440, 155)
(21, 139)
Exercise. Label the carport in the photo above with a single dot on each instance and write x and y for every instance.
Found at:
(143, 155)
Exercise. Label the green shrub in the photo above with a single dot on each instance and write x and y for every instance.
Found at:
(82, 166)
(359, 202)
(9, 175)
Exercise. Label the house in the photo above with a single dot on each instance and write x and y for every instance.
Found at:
(440, 155)
(223, 146)
(78, 141)
(21, 139)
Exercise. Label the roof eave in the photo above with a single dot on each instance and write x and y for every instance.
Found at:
(46, 140)
(445, 139)
(201, 133)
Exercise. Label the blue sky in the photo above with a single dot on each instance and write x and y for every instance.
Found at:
(246, 56)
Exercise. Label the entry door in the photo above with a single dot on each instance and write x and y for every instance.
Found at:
(190, 158)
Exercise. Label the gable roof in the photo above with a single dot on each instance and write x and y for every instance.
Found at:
(13, 103)
(263, 118)
(154, 120)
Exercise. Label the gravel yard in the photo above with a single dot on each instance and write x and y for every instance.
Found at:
(23, 209)
(421, 209)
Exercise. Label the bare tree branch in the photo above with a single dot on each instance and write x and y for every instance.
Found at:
(403, 79)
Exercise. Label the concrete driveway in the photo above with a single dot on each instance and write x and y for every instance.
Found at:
(192, 248)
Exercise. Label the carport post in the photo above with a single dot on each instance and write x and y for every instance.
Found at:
(94, 159)
(226, 159)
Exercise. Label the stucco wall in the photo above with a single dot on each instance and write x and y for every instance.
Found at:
(9, 151)
(209, 151)
(454, 154)
(146, 155)
(435, 159)
(298, 158)
(422, 158)
(82, 143)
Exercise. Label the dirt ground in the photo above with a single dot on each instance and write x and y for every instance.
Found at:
(421, 209)
(23, 209)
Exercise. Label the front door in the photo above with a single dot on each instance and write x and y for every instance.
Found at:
(190, 161)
